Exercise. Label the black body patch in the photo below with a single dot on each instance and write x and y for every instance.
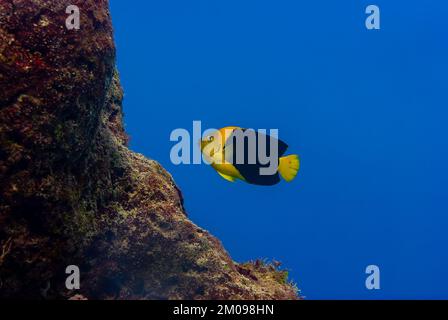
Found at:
(251, 171)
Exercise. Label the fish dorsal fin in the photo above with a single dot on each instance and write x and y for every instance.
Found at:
(228, 178)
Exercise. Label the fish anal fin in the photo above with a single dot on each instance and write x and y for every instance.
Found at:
(228, 178)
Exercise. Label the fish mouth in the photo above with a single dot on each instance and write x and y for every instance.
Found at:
(202, 144)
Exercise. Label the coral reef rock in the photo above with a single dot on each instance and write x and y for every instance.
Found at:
(72, 193)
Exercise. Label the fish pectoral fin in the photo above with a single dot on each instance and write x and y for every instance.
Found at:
(228, 178)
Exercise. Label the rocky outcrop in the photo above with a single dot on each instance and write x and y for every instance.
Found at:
(72, 193)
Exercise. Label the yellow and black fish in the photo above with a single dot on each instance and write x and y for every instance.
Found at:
(237, 153)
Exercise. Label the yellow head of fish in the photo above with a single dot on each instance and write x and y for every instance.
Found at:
(213, 145)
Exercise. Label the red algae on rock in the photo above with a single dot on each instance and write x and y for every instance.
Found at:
(71, 192)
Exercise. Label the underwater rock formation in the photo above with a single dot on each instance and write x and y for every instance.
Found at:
(72, 193)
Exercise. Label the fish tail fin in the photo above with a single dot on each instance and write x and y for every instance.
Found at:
(289, 167)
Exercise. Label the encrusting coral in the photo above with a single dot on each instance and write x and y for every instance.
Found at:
(72, 193)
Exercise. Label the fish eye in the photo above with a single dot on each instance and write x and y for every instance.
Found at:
(211, 138)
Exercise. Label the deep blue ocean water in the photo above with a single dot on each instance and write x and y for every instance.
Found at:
(367, 112)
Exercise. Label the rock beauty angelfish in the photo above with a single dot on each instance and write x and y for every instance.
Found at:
(222, 150)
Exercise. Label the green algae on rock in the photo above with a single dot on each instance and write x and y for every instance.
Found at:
(71, 192)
